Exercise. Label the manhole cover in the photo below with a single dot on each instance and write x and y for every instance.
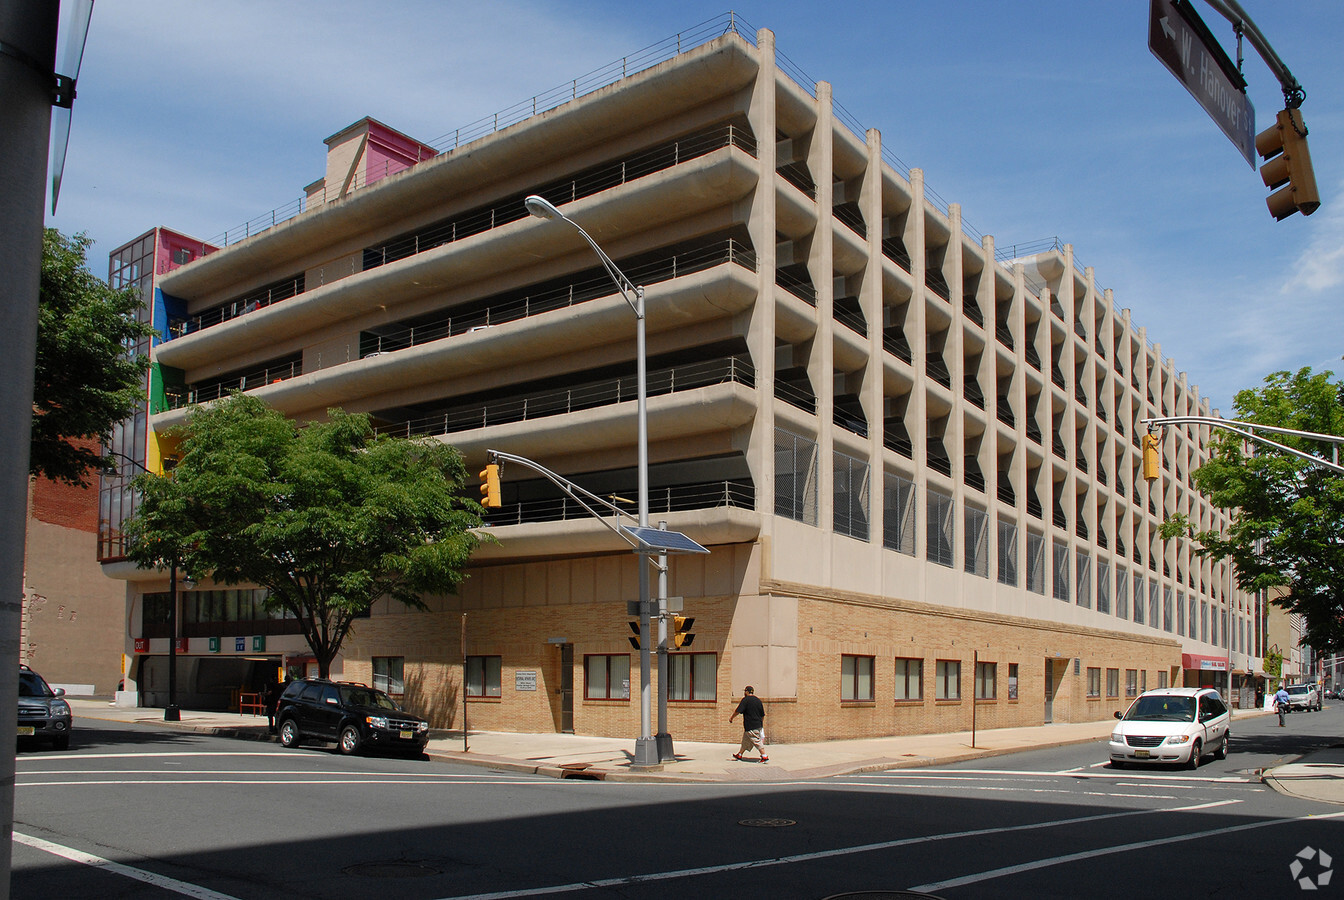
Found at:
(884, 895)
(767, 823)
(393, 869)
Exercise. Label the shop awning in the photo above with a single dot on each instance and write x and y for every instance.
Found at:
(1204, 663)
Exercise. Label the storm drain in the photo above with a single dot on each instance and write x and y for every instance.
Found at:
(390, 869)
(767, 823)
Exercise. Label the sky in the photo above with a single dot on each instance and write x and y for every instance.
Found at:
(1043, 120)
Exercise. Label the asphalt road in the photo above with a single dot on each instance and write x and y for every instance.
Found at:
(135, 812)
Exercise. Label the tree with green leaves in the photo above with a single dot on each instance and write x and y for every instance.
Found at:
(87, 376)
(1287, 527)
(327, 517)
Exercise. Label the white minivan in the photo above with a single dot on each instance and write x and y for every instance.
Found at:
(1172, 725)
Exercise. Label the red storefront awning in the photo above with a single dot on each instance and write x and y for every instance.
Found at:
(1204, 663)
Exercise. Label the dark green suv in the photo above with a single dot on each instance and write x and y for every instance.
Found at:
(356, 717)
(43, 713)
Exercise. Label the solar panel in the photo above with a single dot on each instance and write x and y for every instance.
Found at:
(650, 538)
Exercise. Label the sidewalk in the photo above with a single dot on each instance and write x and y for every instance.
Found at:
(1319, 776)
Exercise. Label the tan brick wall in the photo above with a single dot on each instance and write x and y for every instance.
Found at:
(516, 611)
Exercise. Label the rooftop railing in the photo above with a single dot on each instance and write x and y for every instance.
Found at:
(731, 494)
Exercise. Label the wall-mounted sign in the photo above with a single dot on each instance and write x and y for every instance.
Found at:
(240, 645)
(258, 643)
(142, 645)
(181, 645)
(524, 681)
(214, 645)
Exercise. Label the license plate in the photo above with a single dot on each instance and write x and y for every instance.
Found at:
(27, 731)
(1141, 754)
(406, 735)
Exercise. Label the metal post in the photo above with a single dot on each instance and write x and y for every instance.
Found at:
(171, 713)
(662, 738)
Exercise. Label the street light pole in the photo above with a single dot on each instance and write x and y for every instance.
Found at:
(646, 750)
(171, 712)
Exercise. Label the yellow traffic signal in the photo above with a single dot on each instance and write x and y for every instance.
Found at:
(490, 486)
(681, 627)
(1152, 460)
(1288, 166)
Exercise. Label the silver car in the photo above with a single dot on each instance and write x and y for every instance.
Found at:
(44, 715)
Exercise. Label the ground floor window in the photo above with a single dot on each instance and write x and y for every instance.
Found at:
(607, 677)
(909, 679)
(1113, 683)
(1161, 679)
(856, 677)
(1012, 681)
(691, 676)
(387, 674)
(986, 681)
(1131, 682)
(483, 676)
(947, 680)
(1093, 681)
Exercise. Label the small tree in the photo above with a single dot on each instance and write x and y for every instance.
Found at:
(327, 518)
(87, 378)
(1287, 527)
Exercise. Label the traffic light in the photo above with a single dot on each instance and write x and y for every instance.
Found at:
(634, 641)
(1152, 460)
(1288, 166)
(490, 486)
(681, 627)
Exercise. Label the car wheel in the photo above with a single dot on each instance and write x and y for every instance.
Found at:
(350, 740)
(1195, 753)
(1221, 752)
(289, 733)
(61, 743)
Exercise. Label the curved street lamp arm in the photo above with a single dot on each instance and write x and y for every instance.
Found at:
(1247, 430)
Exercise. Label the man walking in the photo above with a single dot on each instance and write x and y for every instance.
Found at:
(1281, 703)
(752, 711)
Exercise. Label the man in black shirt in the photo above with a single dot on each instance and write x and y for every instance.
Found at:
(753, 723)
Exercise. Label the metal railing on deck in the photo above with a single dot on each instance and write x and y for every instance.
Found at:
(736, 494)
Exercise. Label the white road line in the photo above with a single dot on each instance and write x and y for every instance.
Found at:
(1107, 851)
(88, 859)
(896, 785)
(809, 857)
(443, 776)
(164, 782)
(1128, 775)
(72, 757)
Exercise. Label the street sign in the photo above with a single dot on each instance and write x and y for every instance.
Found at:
(1179, 38)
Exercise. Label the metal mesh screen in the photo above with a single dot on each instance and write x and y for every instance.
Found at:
(898, 514)
(795, 477)
(851, 496)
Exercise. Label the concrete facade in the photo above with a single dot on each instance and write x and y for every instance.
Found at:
(897, 444)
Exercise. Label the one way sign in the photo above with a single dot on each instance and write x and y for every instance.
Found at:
(1179, 38)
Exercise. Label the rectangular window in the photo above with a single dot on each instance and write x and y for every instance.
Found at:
(986, 681)
(1121, 594)
(1180, 613)
(1140, 603)
(898, 521)
(388, 674)
(1167, 624)
(1084, 575)
(1103, 586)
(940, 526)
(1203, 620)
(977, 541)
(1007, 553)
(607, 677)
(1093, 681)
(1191, 621)
(1213, 627)
(909, 679)
(856, 677)
(1012, 681)
(1131, 682)
(1154, 609)
(947, 680)
(1161, 679)
(1035, 563)
(483, 676)
(1061, 571)
(690, 676)
(1143, 680)
(850, 479)
(1113, 683)
(795, 477)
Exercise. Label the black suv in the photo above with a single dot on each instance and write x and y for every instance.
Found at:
(356, 717)
(43, 713)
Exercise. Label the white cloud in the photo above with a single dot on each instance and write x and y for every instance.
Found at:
(1320, 267)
